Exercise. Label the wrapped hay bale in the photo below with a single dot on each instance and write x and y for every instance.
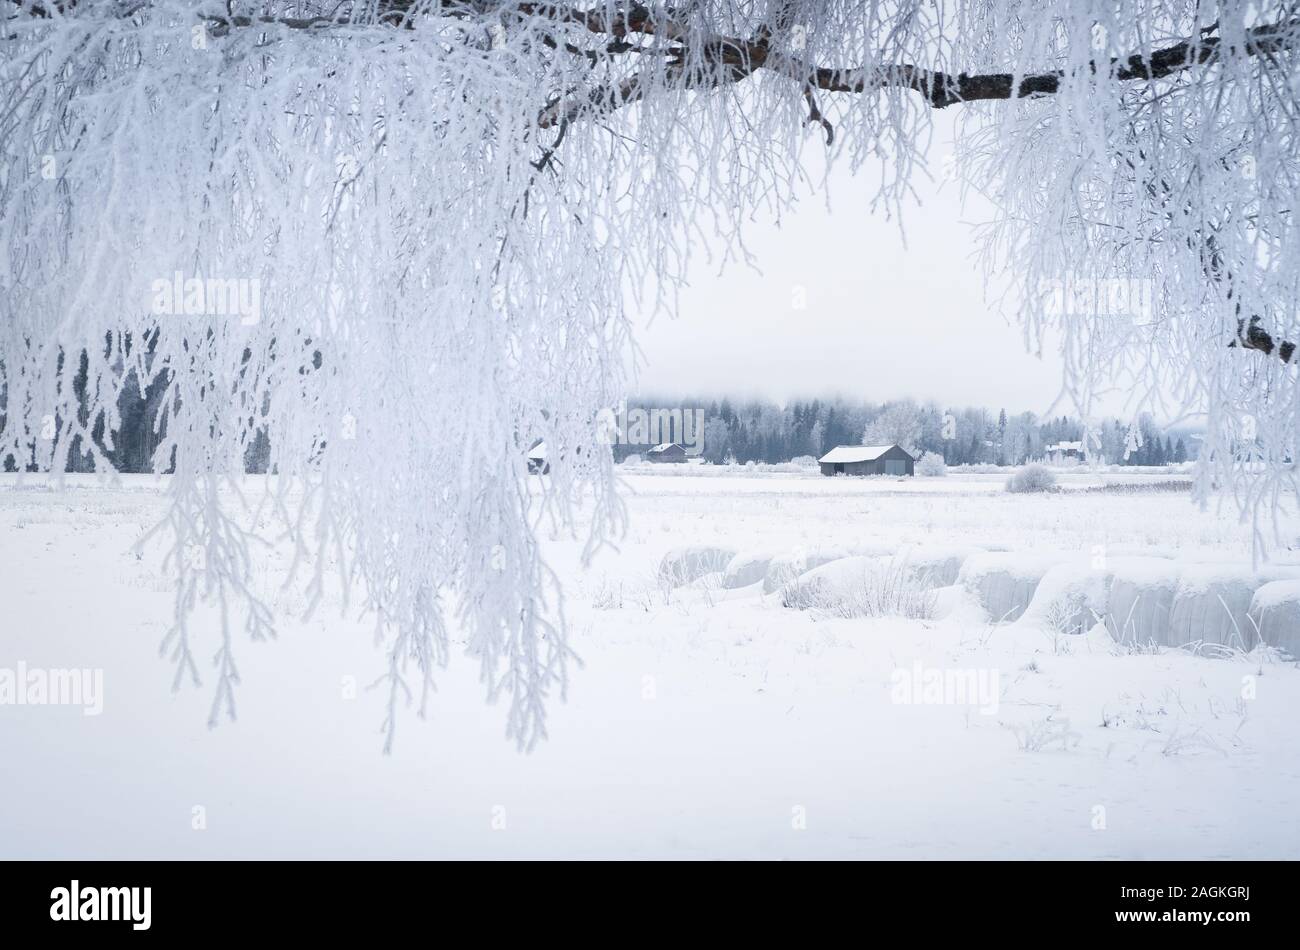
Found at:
(1141, 599)
(828, 582)
(863, 586)
(681, 566)
(747, 567)
(786, 568)
(1070, 598)
(938, 566)
(781, 570)
(1004, 584)
(1275, 612)
(1212, 606)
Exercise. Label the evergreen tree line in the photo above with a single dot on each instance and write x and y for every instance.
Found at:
(761, 431)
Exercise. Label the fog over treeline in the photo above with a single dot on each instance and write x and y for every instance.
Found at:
(761, 430)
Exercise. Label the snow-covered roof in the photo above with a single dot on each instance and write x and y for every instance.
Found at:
(537, 452)
(1066, 447)
(854, 453)
(664, 446)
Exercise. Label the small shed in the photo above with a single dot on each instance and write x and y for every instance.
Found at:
(868, 460)
(667, 452)
(1066, 450)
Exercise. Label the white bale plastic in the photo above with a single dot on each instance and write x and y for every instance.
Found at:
(747, 567)
(836, 578)
(1070, 598)
(1275, 608)
(786, 568)
(937, 566)
(1141, 599)
(1004, 583)
(948, 600)
(711, 581)
(681, 566)
(1212, 606)
(781, 570)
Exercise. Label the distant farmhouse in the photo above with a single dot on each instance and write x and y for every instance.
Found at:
(867, 460)
(1066, 450)
(667, 452)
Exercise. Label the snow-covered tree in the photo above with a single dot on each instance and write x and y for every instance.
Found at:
(931, 464)
(717, 441)
(900, 423)
(394, 240)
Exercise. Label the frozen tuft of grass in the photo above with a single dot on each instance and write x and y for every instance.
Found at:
(889, 590)
(1041, 735)
(608, 595)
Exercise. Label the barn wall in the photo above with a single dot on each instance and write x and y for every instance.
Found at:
(876, 467)
(675, 454)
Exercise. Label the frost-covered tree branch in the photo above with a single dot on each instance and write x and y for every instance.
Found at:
(400, 241)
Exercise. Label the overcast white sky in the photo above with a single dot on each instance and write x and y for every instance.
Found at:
(882, 321)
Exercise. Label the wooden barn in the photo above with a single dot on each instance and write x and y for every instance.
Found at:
(667, 452)
(1065, 450)
(867, 460)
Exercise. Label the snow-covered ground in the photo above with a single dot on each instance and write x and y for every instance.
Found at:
(704, 722)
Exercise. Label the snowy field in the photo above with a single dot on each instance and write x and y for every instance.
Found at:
(707, 720)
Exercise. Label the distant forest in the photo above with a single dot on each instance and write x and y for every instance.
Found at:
(762, 431)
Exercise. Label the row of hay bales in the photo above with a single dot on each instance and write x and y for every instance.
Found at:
(1142, 600)
(1139, 599)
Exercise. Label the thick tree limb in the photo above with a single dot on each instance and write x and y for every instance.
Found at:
(943, 89)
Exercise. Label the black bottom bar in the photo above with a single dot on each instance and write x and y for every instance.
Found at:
(931, 901)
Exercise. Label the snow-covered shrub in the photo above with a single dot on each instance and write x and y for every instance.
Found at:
(681, 566)
(1212, 606)
(804, 462)
(747, 567)
(632, 459)
(1005, 583)
(932, 465)
(1032, 478)
(1141, 599)
(1275, 613)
